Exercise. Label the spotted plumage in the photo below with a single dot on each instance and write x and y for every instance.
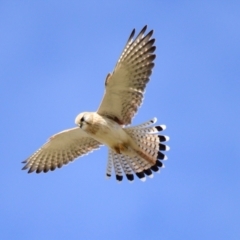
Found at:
(132, 150)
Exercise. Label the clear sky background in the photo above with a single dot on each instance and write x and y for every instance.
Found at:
(54, 57)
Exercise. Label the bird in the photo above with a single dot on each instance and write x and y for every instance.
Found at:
(132, 150)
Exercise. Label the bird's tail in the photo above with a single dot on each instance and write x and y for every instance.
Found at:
(148, 157)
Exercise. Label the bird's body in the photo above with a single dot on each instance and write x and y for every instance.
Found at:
(131, 149)
(106, 131)
(109, 133)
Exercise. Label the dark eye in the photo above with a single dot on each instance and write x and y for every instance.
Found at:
(82, 119)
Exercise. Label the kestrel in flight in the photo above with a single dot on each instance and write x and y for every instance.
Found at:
(131, 149)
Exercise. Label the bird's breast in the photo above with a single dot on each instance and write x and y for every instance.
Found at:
(108, 132)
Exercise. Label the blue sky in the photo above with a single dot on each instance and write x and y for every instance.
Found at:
(54, 58)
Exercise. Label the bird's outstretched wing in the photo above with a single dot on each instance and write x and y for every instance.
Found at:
(61, 148)
(125, 86)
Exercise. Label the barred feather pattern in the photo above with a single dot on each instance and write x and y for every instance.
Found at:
(109, 164)
(117, 166)
(56, 153)
(147, 138)
(125, 166)
(125, 87)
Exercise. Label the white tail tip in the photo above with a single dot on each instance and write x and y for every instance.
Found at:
(143, 179)
(167, 138)
(108, 177)
(167, 148)
(154, 120)
(163, 127)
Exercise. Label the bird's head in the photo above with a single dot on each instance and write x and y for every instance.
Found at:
(84, 120)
